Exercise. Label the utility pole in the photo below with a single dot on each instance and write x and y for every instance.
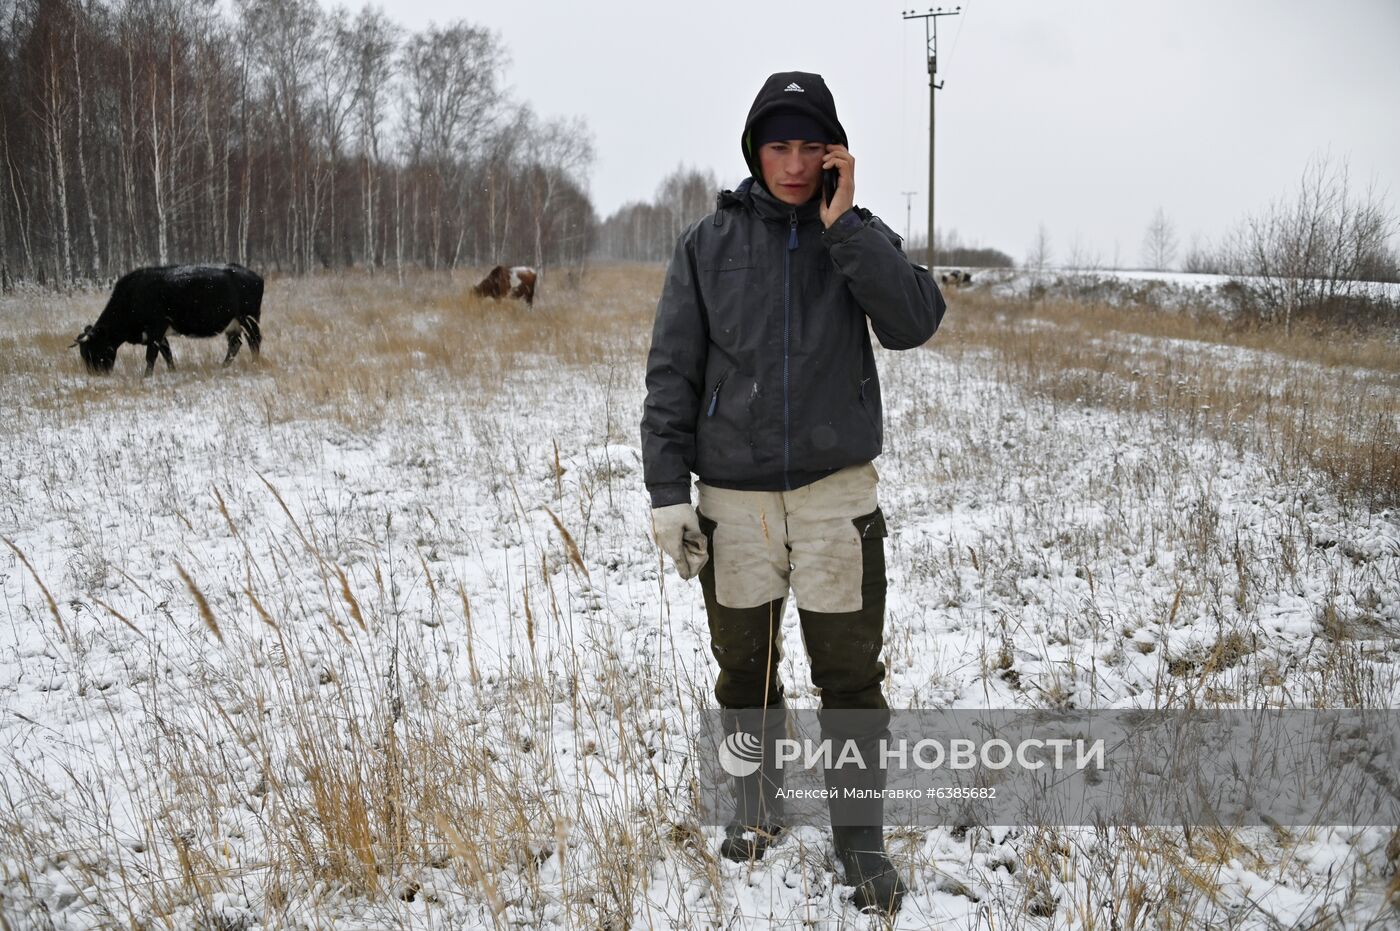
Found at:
(931, 42)
(908, 214)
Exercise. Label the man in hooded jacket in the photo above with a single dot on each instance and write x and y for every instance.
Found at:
(761, 381)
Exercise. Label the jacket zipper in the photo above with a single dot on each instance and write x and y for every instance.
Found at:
(787, 328)
(714, 396)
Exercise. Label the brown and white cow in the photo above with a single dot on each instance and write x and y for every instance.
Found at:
(517, 281)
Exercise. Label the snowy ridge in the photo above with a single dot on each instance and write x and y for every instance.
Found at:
(1171, 290)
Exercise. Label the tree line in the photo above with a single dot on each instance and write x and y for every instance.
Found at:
(647, 231)
(277, 134)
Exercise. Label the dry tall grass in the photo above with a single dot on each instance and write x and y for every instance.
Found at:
(1317, 399)
(350, 346)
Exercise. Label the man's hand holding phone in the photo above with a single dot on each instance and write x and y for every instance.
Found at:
(838, 183)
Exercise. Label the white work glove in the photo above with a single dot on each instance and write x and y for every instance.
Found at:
(678, 533)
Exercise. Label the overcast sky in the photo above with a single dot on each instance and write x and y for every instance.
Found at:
(1085, 115)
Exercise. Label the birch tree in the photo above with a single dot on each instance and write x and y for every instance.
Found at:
(285, 35)
(375, 43)
(452, 80)
(333, 75)
(1159, 242)
(557, 149)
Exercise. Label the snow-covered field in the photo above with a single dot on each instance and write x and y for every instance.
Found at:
(372, 634)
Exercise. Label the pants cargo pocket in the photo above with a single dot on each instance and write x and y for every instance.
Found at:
(872, 532)
(746, 642)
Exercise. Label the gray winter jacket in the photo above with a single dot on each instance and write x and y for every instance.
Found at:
(761, 373)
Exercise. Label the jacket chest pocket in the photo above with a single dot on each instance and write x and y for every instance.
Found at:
(731, 256)
(731, 288)
(726, 282)
(728, 262)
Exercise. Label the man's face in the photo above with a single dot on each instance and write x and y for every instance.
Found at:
(792, 170)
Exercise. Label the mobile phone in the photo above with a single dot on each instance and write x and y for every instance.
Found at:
(831, 177)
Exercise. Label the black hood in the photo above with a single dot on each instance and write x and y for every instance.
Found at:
(800, 92)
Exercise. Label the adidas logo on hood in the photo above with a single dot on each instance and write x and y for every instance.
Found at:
(798, 91)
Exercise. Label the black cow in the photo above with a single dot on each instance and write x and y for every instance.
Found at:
(192, 300)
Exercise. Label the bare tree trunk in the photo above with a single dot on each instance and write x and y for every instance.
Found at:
(130, 143)
(223, 205)
(435, 229)
(491, 212)
(6, 278)
(315, 186)
(374, 43)
(172, 149)
(541, 212)
(210, 191)
(1290, 301)
(245, 211)
(120, 247)
(96, 263)
(333, 239)
(292, 242)
(22, 216)
(398, 225)
(269, 243)
(457, 250)
(539, 239)
(58, 169)
(161, 233)
(505, 226)
(413, 251)
(246, 184)
(369, 213)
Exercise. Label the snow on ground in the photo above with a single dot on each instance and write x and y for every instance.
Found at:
(1165, 289)
(443, 680)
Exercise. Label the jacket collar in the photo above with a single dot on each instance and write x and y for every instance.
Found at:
(764, 205)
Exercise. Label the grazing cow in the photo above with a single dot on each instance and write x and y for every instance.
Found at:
(191, 300)
(956, 277)
(517, 282)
